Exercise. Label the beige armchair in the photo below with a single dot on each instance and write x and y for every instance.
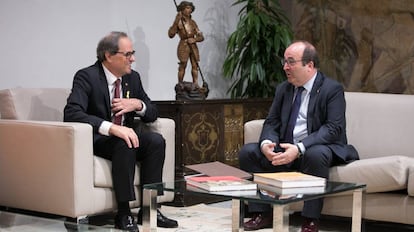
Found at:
(47, 165)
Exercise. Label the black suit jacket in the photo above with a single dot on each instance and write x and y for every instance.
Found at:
(326, 122)
(89, 101)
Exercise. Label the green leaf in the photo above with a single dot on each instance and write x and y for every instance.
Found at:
(255, 48)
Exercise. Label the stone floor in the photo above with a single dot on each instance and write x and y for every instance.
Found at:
(201, 218)
(340, 224)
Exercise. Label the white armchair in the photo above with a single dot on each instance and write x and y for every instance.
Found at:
(47, 165)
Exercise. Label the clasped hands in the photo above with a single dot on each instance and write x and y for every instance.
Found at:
(122, 106)
(280, 158)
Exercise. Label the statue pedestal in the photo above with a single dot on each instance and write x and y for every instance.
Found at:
(188, 91)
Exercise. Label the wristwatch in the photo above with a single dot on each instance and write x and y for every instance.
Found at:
(300, 154)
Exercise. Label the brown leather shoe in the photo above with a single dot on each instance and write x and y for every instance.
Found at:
(310, 225)
(259, 221)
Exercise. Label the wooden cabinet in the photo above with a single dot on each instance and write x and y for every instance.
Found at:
(210, 130)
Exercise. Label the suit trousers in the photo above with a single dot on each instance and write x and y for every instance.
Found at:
(150, 154)
(316, 161)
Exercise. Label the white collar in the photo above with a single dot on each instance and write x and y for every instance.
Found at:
(110, 77)
(308, 85)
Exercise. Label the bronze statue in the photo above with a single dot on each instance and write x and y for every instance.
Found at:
(190, 35)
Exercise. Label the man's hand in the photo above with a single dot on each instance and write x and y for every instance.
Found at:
(289, 155)
(125, 105)
(125, 133)
(268, 150)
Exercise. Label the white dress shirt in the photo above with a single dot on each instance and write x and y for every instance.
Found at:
(110, 79)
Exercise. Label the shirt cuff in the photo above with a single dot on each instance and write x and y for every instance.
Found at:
(266, 141)
(302, 148)
(104, 128)
(143, 110)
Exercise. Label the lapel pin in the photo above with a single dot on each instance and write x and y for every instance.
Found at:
(127, 93)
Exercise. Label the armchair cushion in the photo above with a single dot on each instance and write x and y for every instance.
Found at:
(252, 130)
(41, 104)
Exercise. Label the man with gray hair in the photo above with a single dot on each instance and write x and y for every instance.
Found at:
(108, 95)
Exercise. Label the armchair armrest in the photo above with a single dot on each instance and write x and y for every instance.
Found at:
(166, 127)
(46, 166)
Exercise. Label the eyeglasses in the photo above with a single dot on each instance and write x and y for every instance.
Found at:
(127, 54)
(289, 62)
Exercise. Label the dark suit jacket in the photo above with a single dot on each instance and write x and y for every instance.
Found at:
(326, 117)
(89, 100)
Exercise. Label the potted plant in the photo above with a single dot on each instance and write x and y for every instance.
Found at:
(255, 48)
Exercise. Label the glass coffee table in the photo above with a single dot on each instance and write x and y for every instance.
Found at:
(13, 221)
(280, 204)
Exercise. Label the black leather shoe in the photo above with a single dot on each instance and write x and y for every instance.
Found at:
(259, 221)
(126, 222)
(162, 221)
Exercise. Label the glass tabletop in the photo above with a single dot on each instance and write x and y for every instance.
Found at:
(261, 195)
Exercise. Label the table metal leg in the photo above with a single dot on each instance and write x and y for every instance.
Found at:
(149, 210)
(357, 210)
(280, 218)
(237, 215)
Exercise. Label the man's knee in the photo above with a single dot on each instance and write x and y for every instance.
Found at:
(247, 149)
(246, 153)
(317, 160)
(318, 153)
(157, 141)
(158, 138)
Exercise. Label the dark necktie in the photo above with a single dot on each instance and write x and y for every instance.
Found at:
(117, 119)
(294, 115)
